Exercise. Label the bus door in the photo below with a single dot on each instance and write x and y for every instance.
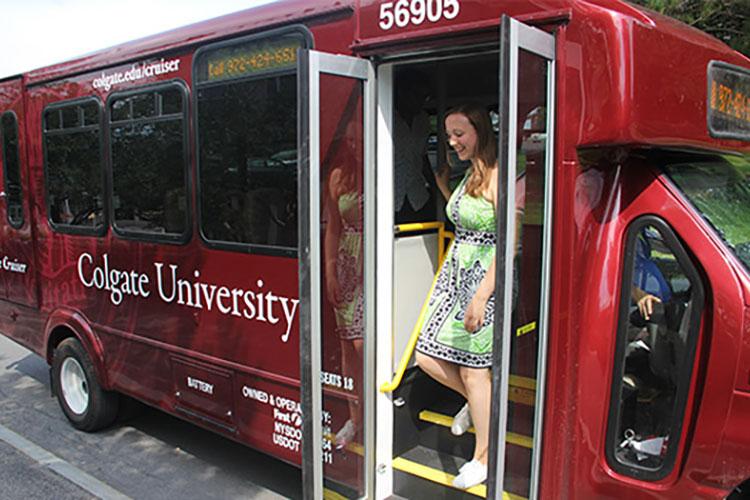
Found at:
(336, 273)
(17, 260)
(526, 139)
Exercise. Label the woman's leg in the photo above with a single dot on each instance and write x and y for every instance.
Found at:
(445, 372)
(478, 384)
(351, 366)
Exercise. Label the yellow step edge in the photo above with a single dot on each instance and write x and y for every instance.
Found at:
(446, 421)
(332, 495)
(522, 382)
(434, 475)
(444, 478)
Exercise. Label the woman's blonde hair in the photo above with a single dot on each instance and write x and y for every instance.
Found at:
(486, 149)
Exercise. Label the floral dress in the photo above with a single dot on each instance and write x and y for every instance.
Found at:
(443, 334)
(349, 266)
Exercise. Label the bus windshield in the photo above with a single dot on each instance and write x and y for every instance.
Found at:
(719, 187)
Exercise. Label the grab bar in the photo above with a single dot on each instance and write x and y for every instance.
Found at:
(406, 356)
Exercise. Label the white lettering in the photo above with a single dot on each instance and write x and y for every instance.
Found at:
(84, 256)
(159, 282)
(13, 266)
(118, 283)
(223, 293)
(405, 12)
(255, 304)
(288, 314)
(136, 72)
(256, 394)
(200, 385)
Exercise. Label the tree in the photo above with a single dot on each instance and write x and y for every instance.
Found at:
(727, 20)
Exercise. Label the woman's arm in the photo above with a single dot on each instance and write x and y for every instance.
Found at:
(474, 316)
(333, 233)
(442, 179)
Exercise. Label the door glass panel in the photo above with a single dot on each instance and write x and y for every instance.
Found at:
(342, 283)
(531, 150)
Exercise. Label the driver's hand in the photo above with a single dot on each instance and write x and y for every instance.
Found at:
(646, 305)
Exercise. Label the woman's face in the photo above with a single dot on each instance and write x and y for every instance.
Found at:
(462, 136)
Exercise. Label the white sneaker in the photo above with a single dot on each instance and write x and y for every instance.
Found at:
(472, 474)
(462, 421)
(345, 435)
(466, 464)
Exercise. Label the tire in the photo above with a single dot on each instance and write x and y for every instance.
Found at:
(86, 405)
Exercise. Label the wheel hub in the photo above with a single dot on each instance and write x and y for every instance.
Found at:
(74, 386)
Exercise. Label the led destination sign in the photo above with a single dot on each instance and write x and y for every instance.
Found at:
(728, 101)
(249, 59)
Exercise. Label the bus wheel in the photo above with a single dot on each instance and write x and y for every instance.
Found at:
(87, 406)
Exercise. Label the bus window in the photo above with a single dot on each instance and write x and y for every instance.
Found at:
(247, 140)
(12, 170)
(659, 326)
(74, 166)
(149, 163)
(719, 188)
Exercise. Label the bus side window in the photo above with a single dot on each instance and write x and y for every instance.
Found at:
(659, 325)
(12, 170)
(74, 172)
(247, 150)
(148, 142)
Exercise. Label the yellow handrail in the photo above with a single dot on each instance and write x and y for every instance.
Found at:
(406, 356)
(413, 227)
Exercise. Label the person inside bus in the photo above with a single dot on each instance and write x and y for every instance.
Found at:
(455, 344)
(649, 285)
(413, 193)
(343, 271)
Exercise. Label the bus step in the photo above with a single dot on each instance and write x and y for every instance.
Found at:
(423, 473)
(446, 421)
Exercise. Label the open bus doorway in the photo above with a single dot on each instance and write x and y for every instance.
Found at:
(422, 435)
(423, 445)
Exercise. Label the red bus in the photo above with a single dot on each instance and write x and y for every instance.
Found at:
(173, 231)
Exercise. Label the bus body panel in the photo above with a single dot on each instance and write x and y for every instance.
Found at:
(621, 200)
(18, 265)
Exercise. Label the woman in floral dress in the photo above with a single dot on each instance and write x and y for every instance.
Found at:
(455, 344)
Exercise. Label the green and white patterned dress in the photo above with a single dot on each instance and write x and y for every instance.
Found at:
(350, 310)
(443, 335)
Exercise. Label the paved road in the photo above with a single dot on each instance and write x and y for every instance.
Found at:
(151, 456)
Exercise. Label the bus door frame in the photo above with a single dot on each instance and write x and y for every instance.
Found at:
(311, 65)
(514, 37)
